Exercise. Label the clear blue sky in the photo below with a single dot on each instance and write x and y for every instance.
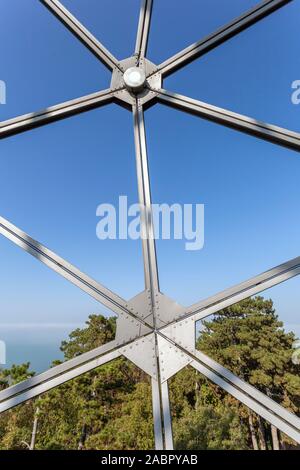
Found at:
(53, 178)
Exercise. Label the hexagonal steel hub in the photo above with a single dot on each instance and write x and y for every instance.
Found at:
(132, 81)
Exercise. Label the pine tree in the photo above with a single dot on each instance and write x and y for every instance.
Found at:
(249, 339)
(110, 407)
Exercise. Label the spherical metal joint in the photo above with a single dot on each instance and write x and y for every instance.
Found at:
(135, 79)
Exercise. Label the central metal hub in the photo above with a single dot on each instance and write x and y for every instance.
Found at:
(135, 79)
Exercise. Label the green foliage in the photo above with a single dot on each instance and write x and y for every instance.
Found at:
(103, 402)
(110, 407)
(132, 427)
(249, 340)
(15, 375)
(210, 428)
(99, 331)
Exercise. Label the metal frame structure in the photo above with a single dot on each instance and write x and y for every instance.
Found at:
(153, 331)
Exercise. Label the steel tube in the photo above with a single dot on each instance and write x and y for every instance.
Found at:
(262, 130)
(54, 113)
(231, 386)
(81, 33)
(201, 47)
(147, 229)
(65, 269)
(243, 290)
(57, 371)
(143, 29)
(56, 381)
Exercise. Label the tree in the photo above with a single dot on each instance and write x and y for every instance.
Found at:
(250, 341)
(101, 403)
(14, 375)
(15, 424)
(202, 418)
(99, 331)
(210, 428)
(110, 407)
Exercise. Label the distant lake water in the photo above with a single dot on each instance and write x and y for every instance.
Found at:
(37, 344)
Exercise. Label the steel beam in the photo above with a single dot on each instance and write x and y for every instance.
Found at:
(147, 229)
(243, 290)
(81, 33)
(168, 432)
(54, 113)
(161, 412)
(221, 35)
(55, 381)
(255, 400)
(258, 396)
(275, 134)
(143, 29)
(245, 393)
(157, 414)
(265, 407)
(57, 371)
(65, 269)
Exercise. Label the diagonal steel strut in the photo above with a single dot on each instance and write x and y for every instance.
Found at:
(262, 130)
(36, 385)
(245, 393)
(245, 289)
(54, 113)
(201, 47)
(68, 271)
(81, 33)
(266, 408)
(248, 395)
(55, 373)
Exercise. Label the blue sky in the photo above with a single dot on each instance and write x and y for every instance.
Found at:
(54, 177)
